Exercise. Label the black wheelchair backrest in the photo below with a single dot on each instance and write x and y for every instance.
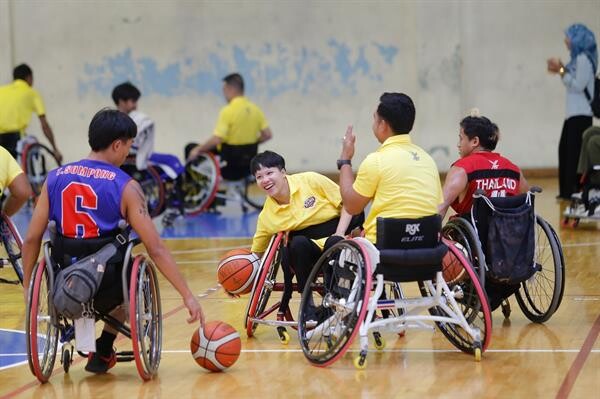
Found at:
(408, 233)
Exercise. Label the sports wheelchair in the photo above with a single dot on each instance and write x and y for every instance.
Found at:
(266, 280)
(45, 328)
(36, 161)
(585, 205)
(514, 251)
(341, 288)
(12, 243)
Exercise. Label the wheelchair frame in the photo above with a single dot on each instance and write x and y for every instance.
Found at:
(574, 213)
(531, 290)
(13, 243)
(141, 301)
(359, 307)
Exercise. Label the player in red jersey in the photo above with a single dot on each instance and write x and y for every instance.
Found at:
(479, 167)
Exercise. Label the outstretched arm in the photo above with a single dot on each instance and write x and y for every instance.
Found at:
(135, 210)
(33, 238)
(210, 144)
(353, 201)
(50, 136)
(455, 183)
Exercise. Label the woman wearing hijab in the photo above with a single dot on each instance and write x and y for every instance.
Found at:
(577, 76)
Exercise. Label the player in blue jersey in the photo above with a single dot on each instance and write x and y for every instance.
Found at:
(87, 199)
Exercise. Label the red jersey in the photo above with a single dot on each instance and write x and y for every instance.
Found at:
(488, 171)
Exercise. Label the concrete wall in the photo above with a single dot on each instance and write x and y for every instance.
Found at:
(313, 66)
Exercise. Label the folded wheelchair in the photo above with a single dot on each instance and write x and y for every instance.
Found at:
(356, 286)
(585, 205)
(514, 251)
(47, 330)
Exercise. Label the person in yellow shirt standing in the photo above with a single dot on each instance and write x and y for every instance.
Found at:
(306, 205)
(240, 127)
(18, 100)
(13, 178)
(400, 178)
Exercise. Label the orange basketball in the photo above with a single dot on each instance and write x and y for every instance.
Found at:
(236, 271)
(452, 268)
(216, 345)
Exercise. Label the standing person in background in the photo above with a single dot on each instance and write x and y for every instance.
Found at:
(17, 101)
(578, 77)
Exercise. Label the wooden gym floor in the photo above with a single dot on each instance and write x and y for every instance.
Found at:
(560, 358)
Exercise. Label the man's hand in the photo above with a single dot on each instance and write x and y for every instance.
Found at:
(197, 150)
(348, 144)
(194, 309)
(554, 65)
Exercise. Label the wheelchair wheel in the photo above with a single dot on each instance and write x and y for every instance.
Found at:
(151, 183)
(337, 294)
(461, 231)
(201, 182)
(41, 325)
(473, 304)
(37, 160)
(253, 195)
(540, 296)
(11, 239)
(145, 317)
(263, 284)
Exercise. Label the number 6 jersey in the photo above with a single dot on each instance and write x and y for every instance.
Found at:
(85, 198)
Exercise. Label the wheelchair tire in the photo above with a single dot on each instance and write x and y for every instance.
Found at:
(151, 183)
(36, 161)
(145, 317)
(474, 306)
(252, 194)
(461, 231)
(262, 288)
(40, 323)
(340, 295)
(540, 296)
(201, 182)
(11, 239)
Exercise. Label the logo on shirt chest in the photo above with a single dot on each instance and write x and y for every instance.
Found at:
(310, 202)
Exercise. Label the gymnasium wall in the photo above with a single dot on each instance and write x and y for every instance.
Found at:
(313, 66)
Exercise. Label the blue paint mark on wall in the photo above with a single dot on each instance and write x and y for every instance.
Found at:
(270, 70)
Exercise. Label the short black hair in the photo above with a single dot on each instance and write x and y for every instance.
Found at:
(398, 110)
(266, 159)
(22, 72)
(482, 127)
(109, 125)
(125, 91)
(235, 80)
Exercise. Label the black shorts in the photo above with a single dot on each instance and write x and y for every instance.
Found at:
(9, 142)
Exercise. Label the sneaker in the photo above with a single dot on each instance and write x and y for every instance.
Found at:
(100, 364)
(170, 216)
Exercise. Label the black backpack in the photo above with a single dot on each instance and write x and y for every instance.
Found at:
(595, 99)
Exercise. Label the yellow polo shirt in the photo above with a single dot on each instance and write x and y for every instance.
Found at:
(17, 101)
(314, 199)
(9, 169)
(401, 179)
(240, 122)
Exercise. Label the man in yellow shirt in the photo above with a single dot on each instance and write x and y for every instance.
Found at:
(400, 178)
(18, 101)
(240, 127)
(307, 205)
(13, 178)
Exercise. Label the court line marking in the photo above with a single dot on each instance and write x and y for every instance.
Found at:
(58, 370)
(178, 351)
(580, 359)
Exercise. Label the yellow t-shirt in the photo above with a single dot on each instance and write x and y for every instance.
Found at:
(401, 179)
(9, 169)
(17, 101)
(240, 122)
(314, 199)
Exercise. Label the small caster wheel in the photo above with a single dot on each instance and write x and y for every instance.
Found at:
(66, 360)
(506, 309)
(564, 222)
(379, 341)
(574, 223)
(477, 352)
(284, 337)
(360, 361)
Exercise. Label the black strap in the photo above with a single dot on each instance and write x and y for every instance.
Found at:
(328, 228)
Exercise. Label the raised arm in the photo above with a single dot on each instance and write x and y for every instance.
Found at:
(50, 136)
(33, 238)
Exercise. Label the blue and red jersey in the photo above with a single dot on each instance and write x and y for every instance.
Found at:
(488, 171)
(85, 198)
